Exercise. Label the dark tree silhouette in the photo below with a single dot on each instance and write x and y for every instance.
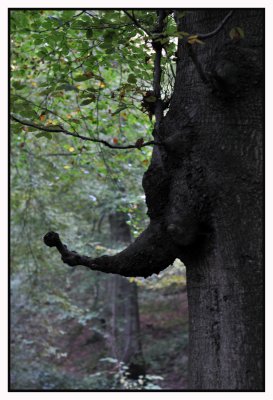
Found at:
(204, 193)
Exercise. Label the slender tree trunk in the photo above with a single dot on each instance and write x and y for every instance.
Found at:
(126, 344)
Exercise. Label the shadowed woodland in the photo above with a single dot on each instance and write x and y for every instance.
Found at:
(136, 170)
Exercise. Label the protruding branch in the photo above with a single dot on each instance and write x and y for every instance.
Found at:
(60, 129)
(136, 22)
(150, 253)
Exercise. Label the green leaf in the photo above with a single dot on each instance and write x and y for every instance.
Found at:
(47, 135)
(119, 110)
(181, 34)
(236, 33)
(170, 31)
(67, 87)
(31, 114)
(68, 14)
(88, 101)
(89, 33)
(80, 24)
(132, 78)
(18, 85)
(81, 78)
(181, 14)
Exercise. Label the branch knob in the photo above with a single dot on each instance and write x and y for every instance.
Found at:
(52, 239)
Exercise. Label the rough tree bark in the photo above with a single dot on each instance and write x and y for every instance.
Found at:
(204, 193)
(223, 171)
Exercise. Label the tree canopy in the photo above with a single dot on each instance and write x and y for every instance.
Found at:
(86, 72)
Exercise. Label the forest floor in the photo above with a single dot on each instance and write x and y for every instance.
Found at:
(164, 334)
(164, 327)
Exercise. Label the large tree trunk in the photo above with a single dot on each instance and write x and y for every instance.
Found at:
(204, 192)
(221, 169)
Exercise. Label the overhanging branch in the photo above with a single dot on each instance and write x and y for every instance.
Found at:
(150, 253)
(60, 129)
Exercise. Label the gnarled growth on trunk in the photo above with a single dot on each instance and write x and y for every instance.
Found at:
(175, 210)
(204, 193)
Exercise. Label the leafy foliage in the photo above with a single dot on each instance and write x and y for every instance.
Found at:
(86, 71)
(91, 66)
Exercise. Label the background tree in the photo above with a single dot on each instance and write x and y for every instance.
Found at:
(123, 307)
(204, 184)
(65, 345)
(59, 332)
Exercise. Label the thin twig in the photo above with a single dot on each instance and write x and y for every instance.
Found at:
(60, 26)
(136, 22)
(60, 129)
(219, 27)
(44, 109)
(58, 154)
(194, 57)
(106, 26)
